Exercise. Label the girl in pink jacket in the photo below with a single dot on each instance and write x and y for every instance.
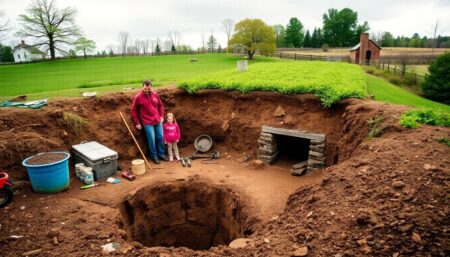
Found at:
(172, 136)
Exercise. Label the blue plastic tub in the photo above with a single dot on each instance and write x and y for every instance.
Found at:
(49, 178)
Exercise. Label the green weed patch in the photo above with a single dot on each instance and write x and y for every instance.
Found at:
(331, 82)
(413, 118)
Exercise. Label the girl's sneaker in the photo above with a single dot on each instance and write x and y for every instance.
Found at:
(170, 158)
(177, 157)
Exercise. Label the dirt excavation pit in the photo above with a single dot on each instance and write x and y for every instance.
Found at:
(192, 214)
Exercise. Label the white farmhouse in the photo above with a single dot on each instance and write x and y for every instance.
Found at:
(27, 53)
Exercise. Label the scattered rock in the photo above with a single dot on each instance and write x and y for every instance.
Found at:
(241, 243)
(405, 228)
(300, 252)
(429, 167)
(257, 164)
(362, 242)
(416, 238)
(279, 112)
(225, 125)
(55, 241)
(309, 214)
(266, 240)
(397, 184)
(395, 254)
(111, 247)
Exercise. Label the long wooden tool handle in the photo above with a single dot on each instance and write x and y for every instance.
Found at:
(135, 141)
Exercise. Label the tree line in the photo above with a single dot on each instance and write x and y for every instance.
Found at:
(53, 30)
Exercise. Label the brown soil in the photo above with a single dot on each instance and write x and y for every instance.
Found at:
(382, 197)
(192, 214)
(46, 158)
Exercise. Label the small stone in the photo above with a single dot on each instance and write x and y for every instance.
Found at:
(55, 241)
(338, 255)
(266, 240)
(309, 214)
(361, 242)
(395, 254)
(300, 252)
(279, 112)
(22, 208)
(241, 243)
(257, 164)
(397, 184)
(225, 125)
(416, 237)
(428, 166)
(405, 228)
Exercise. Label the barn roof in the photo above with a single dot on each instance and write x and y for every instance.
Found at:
(359, 44)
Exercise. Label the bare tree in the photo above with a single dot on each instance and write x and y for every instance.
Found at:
(152, 46)
(138, 44)
(175, 38)
(167, 45)
(124, 38)
(203, 41)
(228, 25)
(434, 35)
(50, 27)
(4, 25)
(145, 46)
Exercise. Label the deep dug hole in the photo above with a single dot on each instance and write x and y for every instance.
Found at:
(232, 119)
(192, 214)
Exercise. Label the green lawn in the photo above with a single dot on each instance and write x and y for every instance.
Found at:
(70, 77)
(67, 78)
(389, 93)
(330, 81)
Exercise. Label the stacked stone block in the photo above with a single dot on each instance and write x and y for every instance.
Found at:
(316, 158)
(268, 147)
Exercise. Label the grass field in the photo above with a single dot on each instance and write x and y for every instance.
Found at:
(389, 93)
(67, 78)
(70, 77)
(330, 81)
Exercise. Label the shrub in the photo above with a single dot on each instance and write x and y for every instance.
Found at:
(331, 82)
(374, 126)
(443, 140)
(437, 83)
(412, 118)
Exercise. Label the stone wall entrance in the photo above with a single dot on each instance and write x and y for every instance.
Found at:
(269, 148)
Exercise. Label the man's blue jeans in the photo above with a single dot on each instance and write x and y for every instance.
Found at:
(155, 139)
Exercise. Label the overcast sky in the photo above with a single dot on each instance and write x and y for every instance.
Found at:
(102, 20)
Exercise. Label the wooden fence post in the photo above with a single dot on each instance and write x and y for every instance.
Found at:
(295, 56)
(281, 53)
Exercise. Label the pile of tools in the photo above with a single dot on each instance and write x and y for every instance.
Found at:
(202, 144)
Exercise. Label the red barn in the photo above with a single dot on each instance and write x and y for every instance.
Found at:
(366, 52)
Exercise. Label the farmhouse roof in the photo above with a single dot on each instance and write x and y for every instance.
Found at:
(359, 44)
(31, 49)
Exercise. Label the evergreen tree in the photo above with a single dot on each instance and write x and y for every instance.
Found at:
(173, 49)
(314, 38)
(307, 40)
(320, 38)
(294, 33)
(158, 48)
(6, 54)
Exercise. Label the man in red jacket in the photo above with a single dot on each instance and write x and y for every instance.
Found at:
(148, 113)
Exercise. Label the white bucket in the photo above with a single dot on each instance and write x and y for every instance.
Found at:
(138, 167)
